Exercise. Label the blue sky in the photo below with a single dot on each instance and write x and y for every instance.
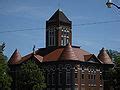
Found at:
(32, 14)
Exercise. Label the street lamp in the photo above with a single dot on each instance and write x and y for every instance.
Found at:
(109, 4)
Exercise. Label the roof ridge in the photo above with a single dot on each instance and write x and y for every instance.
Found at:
(59, 16)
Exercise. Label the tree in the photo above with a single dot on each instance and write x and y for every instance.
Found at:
(5, 79)
(30, 76)
(115, 56)
(114, 73)
(2, 46)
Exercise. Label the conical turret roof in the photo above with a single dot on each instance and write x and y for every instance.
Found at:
(104, 57)
(68, 54)
(59, 16)
(15, 58)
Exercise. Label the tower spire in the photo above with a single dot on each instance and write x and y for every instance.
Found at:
(58, 30)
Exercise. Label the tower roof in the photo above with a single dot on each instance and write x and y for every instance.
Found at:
(59, 16)
(16, 57)
(104, 57)
(68, 54)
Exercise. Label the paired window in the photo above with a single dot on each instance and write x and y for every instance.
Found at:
(52, 37)
(51, 78)
(93, 76)
(65, 37)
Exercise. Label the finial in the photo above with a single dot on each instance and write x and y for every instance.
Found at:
(34, 49)
(103, 48)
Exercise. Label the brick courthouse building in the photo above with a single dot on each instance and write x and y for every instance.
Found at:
(67, 67)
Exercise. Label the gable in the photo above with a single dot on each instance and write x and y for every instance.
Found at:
(92, 59)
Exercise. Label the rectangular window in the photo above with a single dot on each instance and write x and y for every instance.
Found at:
(67, 77)
(82, 76)
(100, 77)
(91, 76)
(48, 78)
(60, 78)
(75, 75)
(76, 78)
(53, 79)
(50, 40)
(94, 76)
(67, 40)
(51, 37)
(88, 76)
(67, 34)
(62, 41)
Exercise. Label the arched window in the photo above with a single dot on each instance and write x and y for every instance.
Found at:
(68, 67)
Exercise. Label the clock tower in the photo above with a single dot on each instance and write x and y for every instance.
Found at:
(58, 30)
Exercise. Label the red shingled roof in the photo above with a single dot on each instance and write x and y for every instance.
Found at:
(29, 56)
(15, 58)
(68, 54)
(59, 16)
(55, 54)
(80, 53)
(104, 57)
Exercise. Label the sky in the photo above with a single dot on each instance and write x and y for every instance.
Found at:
(22, 24)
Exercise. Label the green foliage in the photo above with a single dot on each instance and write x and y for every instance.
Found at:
(2, 46)
(114, 73)
(115, 55)
(30, 76)
(5, 79)
(117, 60)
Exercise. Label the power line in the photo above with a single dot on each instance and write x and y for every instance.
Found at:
(102, 22)
(77, 25)
(28, 29)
